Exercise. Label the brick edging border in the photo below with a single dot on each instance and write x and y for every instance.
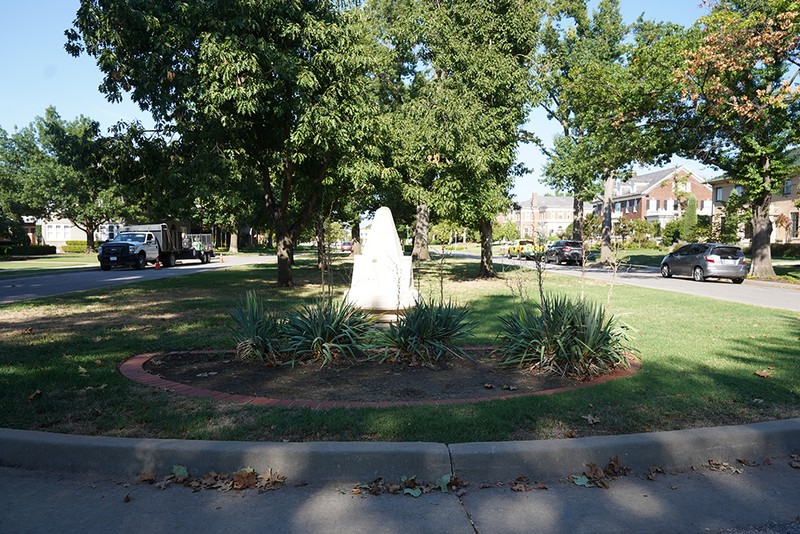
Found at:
(133, 369)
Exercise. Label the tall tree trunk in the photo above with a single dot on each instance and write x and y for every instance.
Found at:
(285, 253)
(762, 232)
(577, 218)
(355, 235)
(234, 244)
(420, 251)
(487, 267)
(321, 243)
(606, 254)
(90, 230)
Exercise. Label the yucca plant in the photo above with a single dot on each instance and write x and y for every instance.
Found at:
(326, 331)
(258, 334)
(574, 338)
(428, 332)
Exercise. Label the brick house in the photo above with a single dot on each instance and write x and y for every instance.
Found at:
(657, 196)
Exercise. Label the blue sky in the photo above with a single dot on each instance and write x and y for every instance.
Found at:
(37, 72)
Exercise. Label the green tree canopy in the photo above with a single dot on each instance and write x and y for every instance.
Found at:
(283, 88)
(741, 91)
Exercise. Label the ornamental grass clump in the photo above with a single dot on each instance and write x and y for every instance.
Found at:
(427, 332)
(258, 334)
(574, 338)
(327, 331)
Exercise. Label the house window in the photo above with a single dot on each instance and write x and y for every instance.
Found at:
(795, 224)
(787, 188)
(635, 206)
(617, 207)
(739, 190)
(658, 204)
(717, 194)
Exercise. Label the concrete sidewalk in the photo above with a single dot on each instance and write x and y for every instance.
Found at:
(88, 484)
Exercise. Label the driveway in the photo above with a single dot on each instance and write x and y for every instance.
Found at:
(758, 293)
(31, 287)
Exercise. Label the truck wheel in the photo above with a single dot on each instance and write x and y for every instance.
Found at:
(141, 262)
(169, 260)
(105, 266)
(204, 257)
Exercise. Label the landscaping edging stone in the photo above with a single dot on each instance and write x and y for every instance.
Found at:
(133, 369)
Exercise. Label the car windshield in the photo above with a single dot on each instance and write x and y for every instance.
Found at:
(130, 237)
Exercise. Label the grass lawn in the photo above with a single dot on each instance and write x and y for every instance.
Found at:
(36, 265)
(59, 358)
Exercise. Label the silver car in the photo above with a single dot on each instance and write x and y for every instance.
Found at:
(706, 260)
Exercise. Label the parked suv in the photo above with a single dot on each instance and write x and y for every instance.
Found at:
(706, 260)
(563, 251)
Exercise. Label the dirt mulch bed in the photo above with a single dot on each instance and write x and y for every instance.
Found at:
(454, 379)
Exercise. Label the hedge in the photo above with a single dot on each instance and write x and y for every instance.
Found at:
(28, 250)
(77, 246)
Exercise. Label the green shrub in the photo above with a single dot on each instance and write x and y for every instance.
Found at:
(786, 250)
(671, 233)
(571, 337)
(77, 246)
(326, 330)
(428, 332)
(258, 334)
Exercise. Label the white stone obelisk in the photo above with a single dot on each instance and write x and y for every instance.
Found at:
(383, 278)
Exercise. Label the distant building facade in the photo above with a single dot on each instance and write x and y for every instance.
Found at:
(658, 196)
(543, 216)
(783, 212)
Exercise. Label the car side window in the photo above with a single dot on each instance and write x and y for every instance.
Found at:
(682, 251)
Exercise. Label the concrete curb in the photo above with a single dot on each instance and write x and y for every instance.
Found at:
(362, 462)
(131, 458)
(548, 459)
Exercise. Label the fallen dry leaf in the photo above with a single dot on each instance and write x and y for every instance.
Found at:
(488, 386)
(521, 484)
(764, 373)
(592, 420)
(652, 471)
(127, 498)
(35, 395)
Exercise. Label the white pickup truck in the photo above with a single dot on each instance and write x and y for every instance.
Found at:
(136, 246)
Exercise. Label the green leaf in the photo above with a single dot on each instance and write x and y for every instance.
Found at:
(180, 472)
(443, 482)
(414, 492)
(582, 480)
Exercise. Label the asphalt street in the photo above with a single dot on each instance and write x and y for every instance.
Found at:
(32, 287)
(775, 295)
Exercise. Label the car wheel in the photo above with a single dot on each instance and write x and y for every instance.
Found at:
(698, 274)
(738, 280)
(105, 266)
(141, 262)
(665, 272)
(559, 260)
